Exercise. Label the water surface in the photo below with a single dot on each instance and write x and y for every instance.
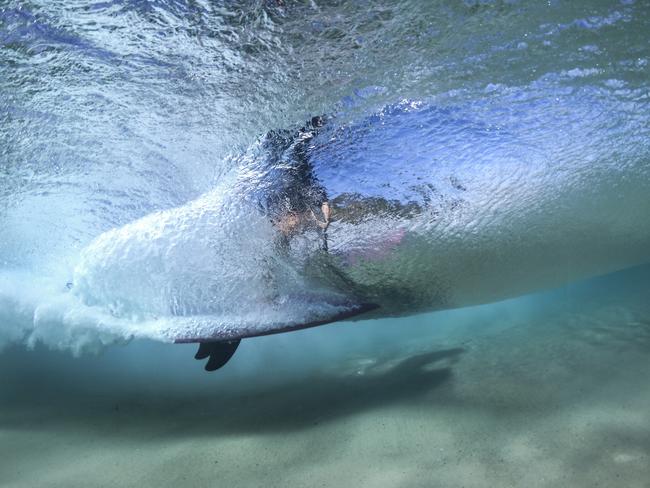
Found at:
(112, 110)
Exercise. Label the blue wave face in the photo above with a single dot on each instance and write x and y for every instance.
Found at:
(470, 158)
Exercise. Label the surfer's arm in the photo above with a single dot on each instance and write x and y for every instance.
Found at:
(325, 208)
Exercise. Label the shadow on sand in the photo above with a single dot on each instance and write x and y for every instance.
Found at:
(297, 404)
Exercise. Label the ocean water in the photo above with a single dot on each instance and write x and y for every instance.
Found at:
(111, 112)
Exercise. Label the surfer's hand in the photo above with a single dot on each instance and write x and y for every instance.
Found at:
(325, 208)
(322, 225)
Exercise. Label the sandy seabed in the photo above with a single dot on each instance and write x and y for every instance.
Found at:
(551, 390)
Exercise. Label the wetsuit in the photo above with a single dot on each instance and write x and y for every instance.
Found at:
(295, 188)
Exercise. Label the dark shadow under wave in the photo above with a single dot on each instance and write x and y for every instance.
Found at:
(41, 401)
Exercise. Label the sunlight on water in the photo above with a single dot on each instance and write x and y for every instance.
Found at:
(474, 151)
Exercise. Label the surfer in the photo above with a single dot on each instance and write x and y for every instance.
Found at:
(298, 201)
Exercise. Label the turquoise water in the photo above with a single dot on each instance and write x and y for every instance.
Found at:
(113, 111)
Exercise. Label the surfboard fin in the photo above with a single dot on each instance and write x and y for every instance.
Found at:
(219, 353)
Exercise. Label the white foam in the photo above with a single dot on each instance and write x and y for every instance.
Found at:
(36, 309)
(197, 270)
